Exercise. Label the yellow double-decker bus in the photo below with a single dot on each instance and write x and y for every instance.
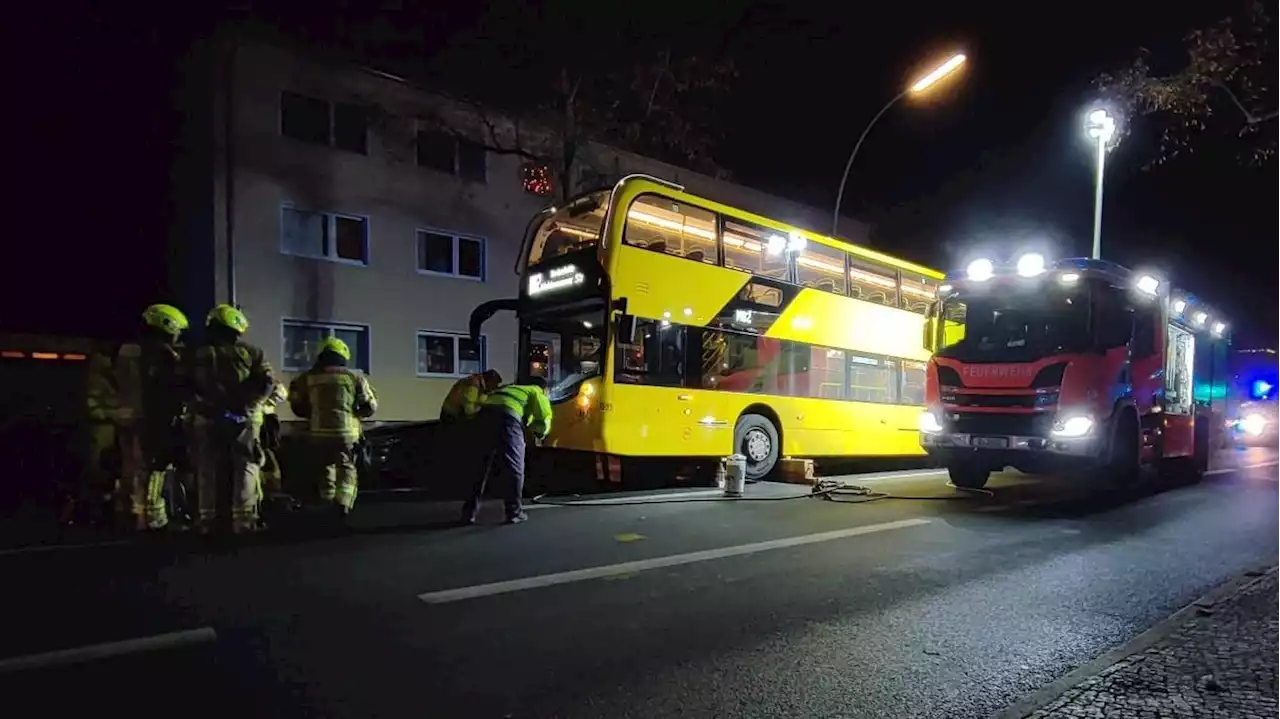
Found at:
(671, 326)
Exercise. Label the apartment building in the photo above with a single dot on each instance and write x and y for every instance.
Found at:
(320, 217)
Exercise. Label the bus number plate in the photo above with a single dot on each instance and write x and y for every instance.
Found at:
(991, 442)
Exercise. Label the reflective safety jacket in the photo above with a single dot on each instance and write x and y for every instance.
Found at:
(143, 380)
(232, 378)
(464, 398)
(333, 400)
(527, 403)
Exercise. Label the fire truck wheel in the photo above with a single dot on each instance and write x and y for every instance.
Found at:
(968, 476)
(756, 438)
(1124, 466)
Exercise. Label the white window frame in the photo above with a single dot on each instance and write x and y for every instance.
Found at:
(325, 325)
(484, 353)
(456, 237)
(330, 219)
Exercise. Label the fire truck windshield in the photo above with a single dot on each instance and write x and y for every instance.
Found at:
(1006, 325)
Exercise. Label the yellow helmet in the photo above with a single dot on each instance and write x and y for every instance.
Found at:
(166, 318)
(230, 317)
(336, 346)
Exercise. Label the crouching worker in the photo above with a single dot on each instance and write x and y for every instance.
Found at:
(333, 399)
(505, 416)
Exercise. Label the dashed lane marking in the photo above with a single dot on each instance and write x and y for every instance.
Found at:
(106, 650)
(446, 596)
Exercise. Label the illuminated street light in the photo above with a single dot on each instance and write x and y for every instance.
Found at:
(919, 86)
(1100, 127)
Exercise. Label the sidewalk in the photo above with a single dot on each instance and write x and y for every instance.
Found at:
(1210, 660)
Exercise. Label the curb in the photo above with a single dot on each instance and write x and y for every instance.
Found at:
(1049, 693)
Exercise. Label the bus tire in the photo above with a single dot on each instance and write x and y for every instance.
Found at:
(756, 438)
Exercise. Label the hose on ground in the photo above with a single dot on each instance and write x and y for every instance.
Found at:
(831, 490)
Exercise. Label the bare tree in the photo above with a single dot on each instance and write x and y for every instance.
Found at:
(1223, 89)
(662, 106)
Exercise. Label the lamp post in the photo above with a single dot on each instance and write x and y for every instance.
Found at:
(1100, 127)
(923, 84)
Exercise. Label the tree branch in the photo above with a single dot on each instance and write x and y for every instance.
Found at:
(1248, 116)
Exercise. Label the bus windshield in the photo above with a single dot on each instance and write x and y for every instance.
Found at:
(574, 227)
(564, 352)
(1007, 326)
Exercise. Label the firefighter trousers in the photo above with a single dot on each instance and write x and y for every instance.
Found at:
(144, 464)
(340, 481)
(226, 460)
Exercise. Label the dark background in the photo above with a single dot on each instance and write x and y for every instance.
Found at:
(995, 159)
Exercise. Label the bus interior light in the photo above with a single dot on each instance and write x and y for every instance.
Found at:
(945, 288)
(1030, 264)
(777, 243)
(981, 270)
(796, 241)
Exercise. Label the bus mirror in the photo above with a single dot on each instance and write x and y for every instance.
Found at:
(626, 329)
(930, 327)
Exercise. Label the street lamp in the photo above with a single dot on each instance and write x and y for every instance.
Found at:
(922, 85)
(1100, 127)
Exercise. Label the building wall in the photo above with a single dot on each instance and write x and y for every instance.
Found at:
(388, 295)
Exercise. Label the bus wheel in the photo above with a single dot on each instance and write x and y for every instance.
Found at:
(968, 476)
(756, 438)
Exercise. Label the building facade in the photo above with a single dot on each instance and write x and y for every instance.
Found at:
(320, 216)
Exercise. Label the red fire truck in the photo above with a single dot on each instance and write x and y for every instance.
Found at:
(1079, 366)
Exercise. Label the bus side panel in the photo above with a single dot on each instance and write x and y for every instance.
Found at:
(821, 318)
(652, 421)
(651, 280)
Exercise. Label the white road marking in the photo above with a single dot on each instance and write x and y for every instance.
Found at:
(1228, 470)
(60, 547)
(612, 570)
(107, 650)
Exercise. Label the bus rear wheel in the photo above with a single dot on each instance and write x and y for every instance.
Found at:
(756, 438)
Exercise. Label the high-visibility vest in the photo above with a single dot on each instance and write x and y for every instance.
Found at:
(526, 402)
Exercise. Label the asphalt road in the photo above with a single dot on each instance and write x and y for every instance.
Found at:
(790, 608)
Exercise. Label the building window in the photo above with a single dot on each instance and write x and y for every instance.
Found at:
(448, 354)
(448, 253)
(324, 235)
(302, 341)
(320, 122)
(446, 153)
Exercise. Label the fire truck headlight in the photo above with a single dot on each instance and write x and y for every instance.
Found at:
(1254, 425)
(1030, 264)
(929, 423)
(980, 270)
(1074, 426)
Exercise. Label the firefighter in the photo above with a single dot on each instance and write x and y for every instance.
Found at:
(230, 381)
(333, 399)
(269, 438)
(149, 406)
(467, 394)
(93, 500)
(504, 418)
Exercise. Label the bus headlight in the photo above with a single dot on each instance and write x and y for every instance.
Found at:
(586, 396)
(1073, 426)
(1254, 424)
(929, 423)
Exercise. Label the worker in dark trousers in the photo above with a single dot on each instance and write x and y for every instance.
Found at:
(504, 418)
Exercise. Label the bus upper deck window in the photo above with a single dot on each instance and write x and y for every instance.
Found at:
(821, 267)
(755, 249)
(661, 225)
(873, 283)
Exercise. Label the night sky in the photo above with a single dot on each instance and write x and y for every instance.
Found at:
(994, 160)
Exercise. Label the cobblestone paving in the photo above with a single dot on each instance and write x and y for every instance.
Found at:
(1219, 664)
